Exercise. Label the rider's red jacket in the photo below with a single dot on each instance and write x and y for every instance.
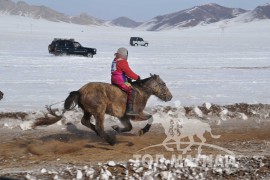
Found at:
(120, 70)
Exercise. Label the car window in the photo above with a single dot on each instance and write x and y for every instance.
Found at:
(61, 43)
(69, 44)
(53, 44)
(76, 44)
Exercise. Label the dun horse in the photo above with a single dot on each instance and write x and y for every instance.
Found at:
(98, 99)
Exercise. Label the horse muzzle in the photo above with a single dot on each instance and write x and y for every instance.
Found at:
(168, 98)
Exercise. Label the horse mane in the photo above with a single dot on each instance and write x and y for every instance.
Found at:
(140, 82)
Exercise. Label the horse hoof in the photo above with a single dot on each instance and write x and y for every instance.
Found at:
(141, 132)
(116, 128)
(111, 142)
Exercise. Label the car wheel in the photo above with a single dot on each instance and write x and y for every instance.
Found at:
(89, 55)
(62, 53)
(135, 44)
(58, 53)
(146, 45)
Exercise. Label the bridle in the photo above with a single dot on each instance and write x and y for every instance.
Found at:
(152, 90)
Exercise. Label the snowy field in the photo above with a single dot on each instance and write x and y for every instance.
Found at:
(202, 64)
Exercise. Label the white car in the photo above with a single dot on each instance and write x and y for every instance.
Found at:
(138, 41)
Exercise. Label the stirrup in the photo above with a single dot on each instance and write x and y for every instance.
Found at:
(131, 113)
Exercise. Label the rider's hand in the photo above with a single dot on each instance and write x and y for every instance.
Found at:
(129, 80)
(127, 84)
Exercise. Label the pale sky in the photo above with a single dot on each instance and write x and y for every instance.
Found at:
(138, 10)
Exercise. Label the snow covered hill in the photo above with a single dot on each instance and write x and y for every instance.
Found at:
(259, 13)
(262, 12)
(199, 15)
(204, 14)
(124, 22)
(42, 12)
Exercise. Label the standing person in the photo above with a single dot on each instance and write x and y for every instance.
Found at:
(120, 74)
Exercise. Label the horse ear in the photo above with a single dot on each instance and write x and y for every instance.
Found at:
(154, 75)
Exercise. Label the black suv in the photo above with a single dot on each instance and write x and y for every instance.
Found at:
(69, 47)
(138, 41)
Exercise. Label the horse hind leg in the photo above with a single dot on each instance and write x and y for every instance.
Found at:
(86, 121)
(100, 128)
(126, 123)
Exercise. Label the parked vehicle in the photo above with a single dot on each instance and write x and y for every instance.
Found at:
(70, 47)
(138, 41)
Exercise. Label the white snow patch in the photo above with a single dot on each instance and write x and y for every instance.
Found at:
(198, 112)
(208, 105)
(243, 116)
(26, 125)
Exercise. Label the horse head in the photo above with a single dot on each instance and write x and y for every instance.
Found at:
(156, 86)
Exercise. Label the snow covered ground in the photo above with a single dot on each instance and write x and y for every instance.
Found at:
(222, 63)
(218, 63)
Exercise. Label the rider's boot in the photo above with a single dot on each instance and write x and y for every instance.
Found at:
(130, 108)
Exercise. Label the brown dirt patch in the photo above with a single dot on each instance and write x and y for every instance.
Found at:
(40, 146)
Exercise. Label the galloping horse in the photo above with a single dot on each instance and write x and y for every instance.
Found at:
(98, 99)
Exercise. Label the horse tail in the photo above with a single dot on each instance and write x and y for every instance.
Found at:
(72, 100)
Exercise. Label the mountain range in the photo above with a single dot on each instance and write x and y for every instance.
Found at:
(125, 22)
(42, 12)
(205, 14)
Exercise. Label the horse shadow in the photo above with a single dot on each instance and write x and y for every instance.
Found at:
(73, 134)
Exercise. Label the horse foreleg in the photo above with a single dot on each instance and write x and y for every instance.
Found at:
(100, 128)
(126, 123)
(143, 117)
(86, 121)
(147, 126)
